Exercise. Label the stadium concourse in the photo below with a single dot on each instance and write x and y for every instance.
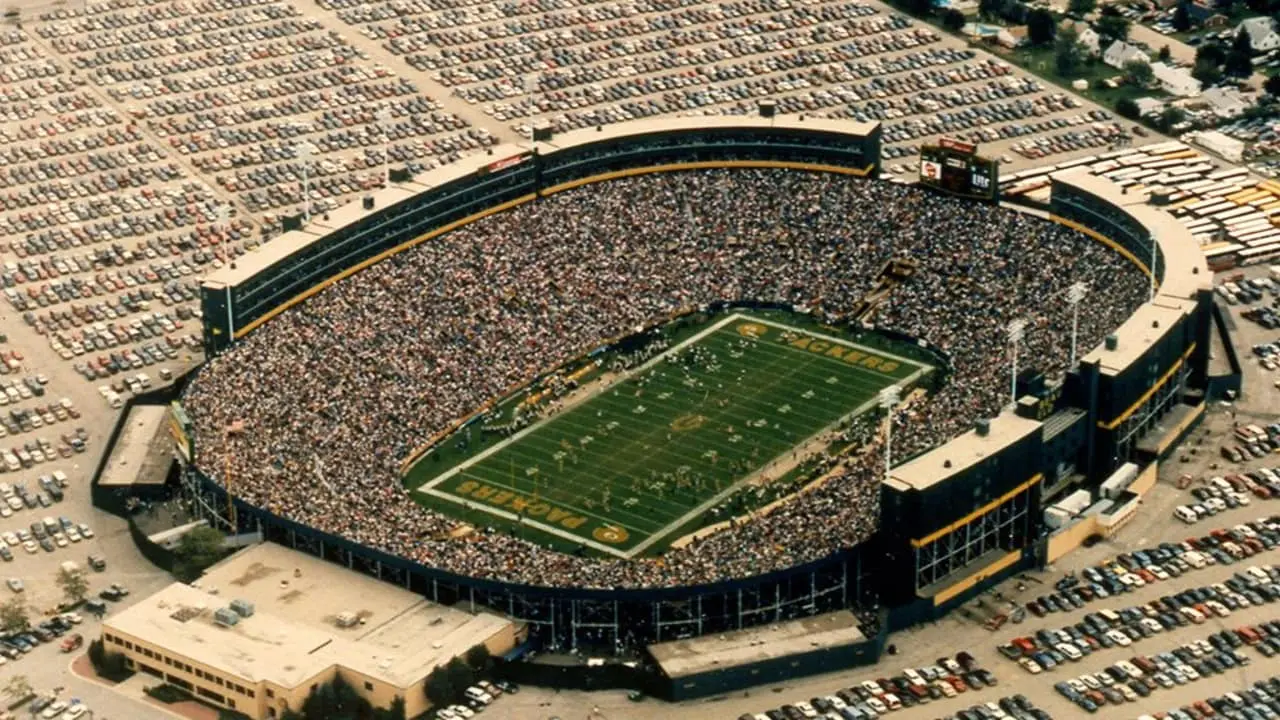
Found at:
(337, 391)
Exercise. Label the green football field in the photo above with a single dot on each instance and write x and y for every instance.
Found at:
(634, 458)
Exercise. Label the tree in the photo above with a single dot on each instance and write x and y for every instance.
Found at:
(479, 659)
(1239, 60)
(1272, 86)
(1111, 24)
(1068, 53)
(991, 9)
(919, 8)
(953, 20)
(74, 585)
(1041, 27)
(1182, 16)
(439, 688)
(1080, 8)
(197, 550)
(1164, 54)
(1138, 73)
(14, 615)
(1206, 72)
(461, 676)
(1171, 116)
(18, 688)
(1211, 54)
(396, 711)
(1127, 108)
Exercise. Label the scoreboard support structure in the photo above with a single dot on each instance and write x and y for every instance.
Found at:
(954, 167)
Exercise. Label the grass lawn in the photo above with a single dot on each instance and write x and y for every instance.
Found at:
(1040, 61)
(640, 458)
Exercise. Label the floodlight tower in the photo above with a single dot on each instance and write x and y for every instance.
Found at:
(889, 402)
(1016, 330)
(384, 116)
(1075, 294)
(305, 154)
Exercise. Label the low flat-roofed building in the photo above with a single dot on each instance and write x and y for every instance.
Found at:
(309, 621)
(713, 664)
(966, 450)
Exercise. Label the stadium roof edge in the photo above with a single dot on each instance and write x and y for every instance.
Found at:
(962, 452)
(1186, 272)
(286, 244)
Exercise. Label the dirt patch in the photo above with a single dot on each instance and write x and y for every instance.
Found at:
(290, 596)
(253, 573)
(187, 708)
(83, 667)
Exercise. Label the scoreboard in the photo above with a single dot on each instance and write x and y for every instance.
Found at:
(955, 167)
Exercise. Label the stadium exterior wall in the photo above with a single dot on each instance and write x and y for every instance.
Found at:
(295, 266)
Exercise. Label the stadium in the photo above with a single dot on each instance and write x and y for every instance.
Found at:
(632, 384)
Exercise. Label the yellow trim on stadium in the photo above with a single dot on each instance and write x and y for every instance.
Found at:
(953, 590)
(1150, 391)
(1105, 241)
(704, 165)
(376, 259)
(931, 537)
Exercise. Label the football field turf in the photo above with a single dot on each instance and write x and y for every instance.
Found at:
(636, 457)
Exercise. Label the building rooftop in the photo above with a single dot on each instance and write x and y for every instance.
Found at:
(963, 452)
(142, 455)
(681, 658)
(293, 634)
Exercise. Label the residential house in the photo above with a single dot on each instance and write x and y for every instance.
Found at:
(1175, 80)
(1120, 52)
(1149, 107)
(1085, 35)
(1263, 36)
(1012, 37)
(1226, 102)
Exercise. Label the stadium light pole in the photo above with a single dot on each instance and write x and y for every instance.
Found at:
(1016, 330)
(304, 155)
(888, 401)
(1075, 294)
(384, 116)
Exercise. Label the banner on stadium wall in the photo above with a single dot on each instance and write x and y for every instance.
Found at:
(180, 431)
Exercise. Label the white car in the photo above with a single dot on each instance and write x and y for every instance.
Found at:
(15, 503)
(73, 535)
(1027, 664)
(15, 585)
(85, 531)
(74, 712)
(31, 547)
(54, 710)
(60, 540)
(10, 538)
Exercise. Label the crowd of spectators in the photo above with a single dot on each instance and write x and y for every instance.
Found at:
(335, 393)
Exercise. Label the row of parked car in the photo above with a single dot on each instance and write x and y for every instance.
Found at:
(1252, 443)
(41, 450)
(1220, 494)
(1261, 701)
(948, 678)
(1141, 675)
(1047, 649)
(16, 497)
(1014, 707)
(478, 697)
(1129, 571)
(47, 534)
(16, 644)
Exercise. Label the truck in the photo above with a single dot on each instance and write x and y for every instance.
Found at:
(97, 563)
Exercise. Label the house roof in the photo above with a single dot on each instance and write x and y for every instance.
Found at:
(1124, 52)
(1258, 28)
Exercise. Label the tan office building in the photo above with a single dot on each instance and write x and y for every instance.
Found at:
(307, 621)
